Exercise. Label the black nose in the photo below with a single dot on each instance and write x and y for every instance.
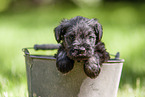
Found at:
(80, 50)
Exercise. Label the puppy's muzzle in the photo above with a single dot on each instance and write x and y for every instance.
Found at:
(80, 51)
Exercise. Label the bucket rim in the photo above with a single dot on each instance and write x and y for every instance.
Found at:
(51, 57)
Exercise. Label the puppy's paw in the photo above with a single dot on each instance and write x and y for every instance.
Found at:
(92, 69)
(65, 65)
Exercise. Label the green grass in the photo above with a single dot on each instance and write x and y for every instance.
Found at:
(124, 26)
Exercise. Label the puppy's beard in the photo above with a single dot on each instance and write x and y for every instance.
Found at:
(77, 55)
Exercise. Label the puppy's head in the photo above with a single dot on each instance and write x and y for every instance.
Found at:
(79, 36)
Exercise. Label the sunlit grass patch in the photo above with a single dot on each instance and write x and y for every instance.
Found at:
(19, 90)
(128, 91)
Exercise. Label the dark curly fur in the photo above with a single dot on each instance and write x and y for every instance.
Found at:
(80, 39)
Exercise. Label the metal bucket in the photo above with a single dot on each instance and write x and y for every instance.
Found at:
(44, 80)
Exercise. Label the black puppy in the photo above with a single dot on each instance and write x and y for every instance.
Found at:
(80, 39)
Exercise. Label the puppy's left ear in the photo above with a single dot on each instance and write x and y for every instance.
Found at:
(58, 32)
(61, 30)
(98, 29)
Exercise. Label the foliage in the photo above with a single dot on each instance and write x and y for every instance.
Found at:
(4, 4)
(123, 31)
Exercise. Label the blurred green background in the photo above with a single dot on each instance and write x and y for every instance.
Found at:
(24, 23)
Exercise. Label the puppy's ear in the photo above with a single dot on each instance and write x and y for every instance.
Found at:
(58, 32)
(61, 29)
(98, 29)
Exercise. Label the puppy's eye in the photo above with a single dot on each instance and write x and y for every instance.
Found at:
(90, 37)
(71, 37)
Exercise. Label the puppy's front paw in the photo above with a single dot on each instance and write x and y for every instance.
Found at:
(65, 65)
(92, 68)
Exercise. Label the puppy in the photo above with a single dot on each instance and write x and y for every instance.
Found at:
(80, 40)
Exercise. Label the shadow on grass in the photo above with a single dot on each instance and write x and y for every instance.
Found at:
(130, 77)
(134, 69)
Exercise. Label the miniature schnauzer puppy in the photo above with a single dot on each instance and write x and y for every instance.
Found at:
(80, 40)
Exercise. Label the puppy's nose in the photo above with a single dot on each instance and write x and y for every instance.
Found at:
(81, 50)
